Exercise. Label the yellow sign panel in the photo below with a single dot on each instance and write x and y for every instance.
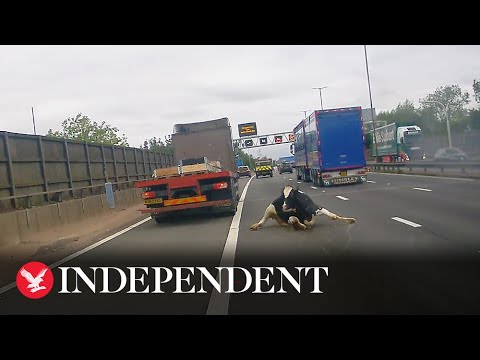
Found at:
(247, 129)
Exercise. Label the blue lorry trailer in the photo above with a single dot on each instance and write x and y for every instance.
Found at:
(329, 147)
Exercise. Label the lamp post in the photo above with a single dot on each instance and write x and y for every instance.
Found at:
(34, 127)
(445, 109)
(371, 104)
(320, 91)
(304, 113)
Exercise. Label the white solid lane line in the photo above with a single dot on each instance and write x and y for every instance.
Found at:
(218, 304)
(341, 197)
(422, 189)
(411, 223)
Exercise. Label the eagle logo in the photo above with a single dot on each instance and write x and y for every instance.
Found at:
(34, 281)
(38, 286)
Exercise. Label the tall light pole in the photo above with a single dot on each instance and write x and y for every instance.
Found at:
(34, 127)
(304, 113)
(371, 104)
(320, 91)
(445, 109)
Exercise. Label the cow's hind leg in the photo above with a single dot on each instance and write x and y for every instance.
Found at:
(281, 222)
(333, 216)
(309, 224)
(270, 213)
(295, 222)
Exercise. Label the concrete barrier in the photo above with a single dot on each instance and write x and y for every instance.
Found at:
(22, 225)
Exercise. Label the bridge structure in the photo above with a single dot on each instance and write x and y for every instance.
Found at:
(264, 140)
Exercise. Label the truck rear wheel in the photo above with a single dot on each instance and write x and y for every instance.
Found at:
(157, 219)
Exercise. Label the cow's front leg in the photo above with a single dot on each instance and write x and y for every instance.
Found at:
(333, 216)
(295, 222)
(269, 213)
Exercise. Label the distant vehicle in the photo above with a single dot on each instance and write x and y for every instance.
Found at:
(244, 171)
(329, 147)
(290, 159)
(264, 167)
(396, 142)
(450, 154)
(285, 167)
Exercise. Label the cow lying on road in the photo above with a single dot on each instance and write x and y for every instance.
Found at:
(295, 208)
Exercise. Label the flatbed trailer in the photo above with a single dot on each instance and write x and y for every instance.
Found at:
(213, 191)
(205, 177)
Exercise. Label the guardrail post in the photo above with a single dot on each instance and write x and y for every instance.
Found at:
(126, 163)
(68, 167)
(104, 165)
(89, 168)
(136, 164)
(144, 165)
(11, 178)
(115, 165)
(150, 170)
(44, 172)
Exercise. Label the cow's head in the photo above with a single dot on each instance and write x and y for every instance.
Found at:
(289, 198)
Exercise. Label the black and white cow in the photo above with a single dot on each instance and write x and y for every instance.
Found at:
(294, 207)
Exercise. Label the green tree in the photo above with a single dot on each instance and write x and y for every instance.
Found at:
(474, 119)
(82, 128)
(450, 96)
(164, 146)
(247, 159)
(404, 113)
(476, 90)
(427, 122)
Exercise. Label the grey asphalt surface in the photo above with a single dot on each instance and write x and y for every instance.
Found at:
(376, 266)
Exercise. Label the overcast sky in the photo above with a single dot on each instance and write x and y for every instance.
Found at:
(144, 90)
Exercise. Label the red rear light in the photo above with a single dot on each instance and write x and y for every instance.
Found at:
(324, 176)
(361, 172)
(148, 195)
(219, 186)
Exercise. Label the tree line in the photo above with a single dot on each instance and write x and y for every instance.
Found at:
(431, 116)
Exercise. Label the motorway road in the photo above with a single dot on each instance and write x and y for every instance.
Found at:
(415, 249)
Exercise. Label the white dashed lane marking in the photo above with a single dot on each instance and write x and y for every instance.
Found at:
(407, 222)
(341, 197)
(370, 181)
(313, 187)
(422, 189)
